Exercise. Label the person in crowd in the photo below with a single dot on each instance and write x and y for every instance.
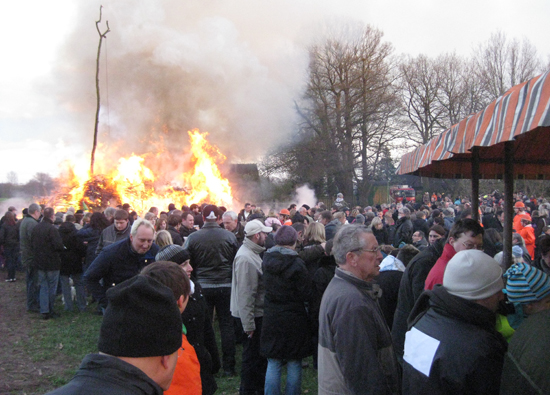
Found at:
(121, 261)
(197, 216)
(489, 219)
(391, 273)
(46, 245)
(139, 340)
(517, 240)
(90, 235)
(492, 241)
(520, 212)
(161, 224)
(466, 234)
(25, 244)
(543, 263)
(284, 217)
(526, 365)
(355, 347)
(448, 218)
(340, 202)
(196, 319)
(379, 231)
(187, 225)
(390, 226)
(174, 224)
(231, 223)
(212, 251)
(286, 331)
(419, 240)
(528, 234)
(186, 379)
(244, 213)
(403, 228)
(359, 219)
(313, 247)
(541, 221)
(435, 214)
(436, 232)
(247, 304)
(453, 346)
(71, 264)
(120, 229)
(9, 239)
(330, 226)
(110, 214)
(151, 217)
(420, 222)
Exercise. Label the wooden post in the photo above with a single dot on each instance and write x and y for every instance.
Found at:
(475, 183)
(508, 202)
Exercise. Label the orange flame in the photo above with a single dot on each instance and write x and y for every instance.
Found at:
(135, 183)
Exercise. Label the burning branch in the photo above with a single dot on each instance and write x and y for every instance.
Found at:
(101, 37)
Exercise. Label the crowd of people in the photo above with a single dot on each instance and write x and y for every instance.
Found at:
(396, 298)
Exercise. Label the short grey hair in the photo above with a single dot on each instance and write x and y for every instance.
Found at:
(405, 210)
(141, 222)
(348, 239)
(33, 208)
(230, 214)
(110, 212)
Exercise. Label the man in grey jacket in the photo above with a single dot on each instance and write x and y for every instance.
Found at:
(119, 230)
(355, 346)
(247, 303)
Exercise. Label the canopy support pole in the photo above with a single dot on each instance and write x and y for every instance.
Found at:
(508, 202)
(475, 183)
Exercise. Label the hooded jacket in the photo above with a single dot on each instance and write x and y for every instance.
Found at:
(452, 347)
(286, 327)
(104, 374)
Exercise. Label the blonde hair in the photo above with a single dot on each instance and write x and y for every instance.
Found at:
(315, 232)
(163, 238)
(375, 221)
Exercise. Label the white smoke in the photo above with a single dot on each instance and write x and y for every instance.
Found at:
(305, 195)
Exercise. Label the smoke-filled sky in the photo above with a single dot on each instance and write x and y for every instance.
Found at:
(232, 68)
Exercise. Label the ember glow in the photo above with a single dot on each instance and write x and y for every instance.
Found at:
(134, 181)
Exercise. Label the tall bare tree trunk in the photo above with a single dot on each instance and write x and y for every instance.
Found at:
(101, 37)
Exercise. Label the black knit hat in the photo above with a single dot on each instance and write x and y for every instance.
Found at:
(142, 319)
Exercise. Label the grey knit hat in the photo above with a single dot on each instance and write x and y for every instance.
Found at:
(172, 253)
(473, 275)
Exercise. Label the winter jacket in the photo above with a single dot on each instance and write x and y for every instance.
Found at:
(490, 221)
(25, 233)
(247, 287)
(187, 378)
(382, 235)
(176, 237)
(403, 232)
(46, 244)
(185, 231)
(111, 235)
(311, 254)
(525, 370)
(389, 281)
(355, 348)
(104, 374)
(212, 250)
(528, 234)
(436, 274)
(200, 335)
(116, 263)
(74, 252)
(421, 224)
(321, 280)
(9, 235)
(91, 236)
(421, 244)
(332, 228)
(449, 222)
(452, 347)
(517, 221)
(286, 327)
(239, 233)
(410, 289)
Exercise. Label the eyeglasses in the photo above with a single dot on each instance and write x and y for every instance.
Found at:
(470, 246)
(376, 249)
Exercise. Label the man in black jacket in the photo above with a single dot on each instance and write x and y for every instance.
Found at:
(174, 224)
(212, 250)
(452, 346)
(46, 245)
(403, 228)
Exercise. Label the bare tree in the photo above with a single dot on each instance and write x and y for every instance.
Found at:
(501, 64)
(96, 124)
(12, 178)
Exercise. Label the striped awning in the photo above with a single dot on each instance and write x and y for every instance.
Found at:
(521, 115)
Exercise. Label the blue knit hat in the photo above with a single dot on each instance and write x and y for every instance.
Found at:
(526, 284)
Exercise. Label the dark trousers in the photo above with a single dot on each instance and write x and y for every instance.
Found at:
(219, 299)
(253, 366)
(33, 289)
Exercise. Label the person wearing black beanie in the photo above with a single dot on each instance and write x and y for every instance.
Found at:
(138, 342)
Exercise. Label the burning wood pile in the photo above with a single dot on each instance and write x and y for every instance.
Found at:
(135, 183)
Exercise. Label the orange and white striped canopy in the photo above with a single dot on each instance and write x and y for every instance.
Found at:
(521, 115)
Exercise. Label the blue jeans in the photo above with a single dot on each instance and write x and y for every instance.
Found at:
(80, 292)
(48, 289)
(293, 377)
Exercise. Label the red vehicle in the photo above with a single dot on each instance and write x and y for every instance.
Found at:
(402, 194)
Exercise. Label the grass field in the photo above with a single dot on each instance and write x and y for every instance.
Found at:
(64, 341)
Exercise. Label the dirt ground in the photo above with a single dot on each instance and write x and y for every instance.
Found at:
(19, 374)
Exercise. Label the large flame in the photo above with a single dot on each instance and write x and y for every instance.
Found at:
(135, 183)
